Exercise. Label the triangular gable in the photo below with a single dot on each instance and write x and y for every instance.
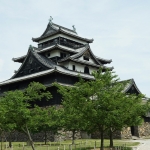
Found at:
(131, 87)
(33, 63)
(86, 52)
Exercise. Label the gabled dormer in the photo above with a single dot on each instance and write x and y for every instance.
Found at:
(83, 61)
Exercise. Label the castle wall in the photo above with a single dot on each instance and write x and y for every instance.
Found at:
(144, 130)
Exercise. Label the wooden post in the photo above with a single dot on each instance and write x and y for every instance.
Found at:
(71, 147)
(64, 147)
(22, 147)
(6, 145)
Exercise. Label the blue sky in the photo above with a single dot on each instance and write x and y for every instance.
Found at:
(120, 29)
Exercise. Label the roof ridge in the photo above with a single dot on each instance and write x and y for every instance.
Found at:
(64, 27)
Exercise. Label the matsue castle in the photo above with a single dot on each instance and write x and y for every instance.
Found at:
(61, 56)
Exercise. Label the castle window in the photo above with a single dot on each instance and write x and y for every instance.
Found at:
(40, 46)
(86, 70)
(56, 40)
(73, 67)
(86, 58)
(62, 55)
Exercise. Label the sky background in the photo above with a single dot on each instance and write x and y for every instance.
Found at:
(120, 29)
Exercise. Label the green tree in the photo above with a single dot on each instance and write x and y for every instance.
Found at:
(101, 105)
(18, 107)
(71, 116)
(50, 120)
(127, 112)
(113, 109)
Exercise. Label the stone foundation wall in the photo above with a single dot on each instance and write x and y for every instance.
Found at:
(144, 130)
(96, 135)
(40, 137)
(66, 135)
(126, 133)
(21, 137)
(140, 131)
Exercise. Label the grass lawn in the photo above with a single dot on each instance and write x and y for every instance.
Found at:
(81, 144)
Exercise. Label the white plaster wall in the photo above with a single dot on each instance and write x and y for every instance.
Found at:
(78, 67)
(91, 69)
(65, 36)
(65, 64)
(54, 53)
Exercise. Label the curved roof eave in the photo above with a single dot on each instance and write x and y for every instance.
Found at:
(61, 31)
(18, 59)
(79, 61)
(26, 77)
(35, 75)
(104, 60)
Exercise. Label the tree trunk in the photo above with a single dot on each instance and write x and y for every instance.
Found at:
(10, 145)
(111, 138)
(102, 139)
(73, 136)
(1, 142)
(45, 136)
(30, 139)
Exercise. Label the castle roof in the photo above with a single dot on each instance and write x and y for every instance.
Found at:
(78, 52)
(51, 58)
(130, 84)
(53, 29)
(58, 69)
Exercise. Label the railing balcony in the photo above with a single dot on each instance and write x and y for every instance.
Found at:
(64, 43)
